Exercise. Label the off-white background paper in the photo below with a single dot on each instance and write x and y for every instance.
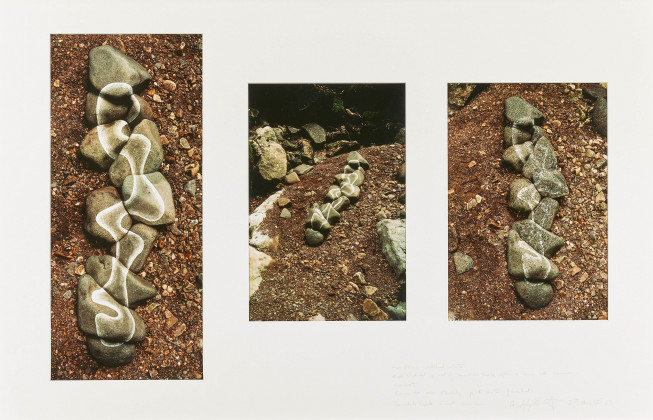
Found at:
(426, 367)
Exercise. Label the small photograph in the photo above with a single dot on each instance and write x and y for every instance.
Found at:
(528, 201)
(126, 207)
(327, 202)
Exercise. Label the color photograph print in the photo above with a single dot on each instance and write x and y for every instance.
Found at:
(126, 206)
(327, 202)
(528, 201)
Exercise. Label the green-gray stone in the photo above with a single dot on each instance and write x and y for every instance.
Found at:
(516, 108)
(544, 213)
(313, 237)
(462, 262)
(550, 183)
(540, 239)
(534, 294)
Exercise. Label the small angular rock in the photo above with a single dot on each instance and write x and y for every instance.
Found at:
(109, 353)
(316, 220)
(516, 108)
(525, 262)
(392, 235)
(313, 237)
(330, 214)
(462, 262)
(515, 135)
(351, 191)
(302, 169)
(124, 286)
(544, 213)
(102, 144)
(333, 193)
(135, 246)
(143, 154)
(543, 157)
(516, 156)
(550, 183)
(108, 65)
(341, 203)
(398, 312)
(535, 295)
(106, 216)
(540, 239)
(315, 132)
(523, 195)
(355, 159)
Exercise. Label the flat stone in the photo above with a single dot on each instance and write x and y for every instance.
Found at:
(285, 214)
(535, 295)
(351, 191)
(291, 178)
(108, 65)
(525, 262)
(313, 237)
(600, 116)
(143, 154)
(543, 157)
(315, 132)
(392, 235)
(356, 178)
(258, 262)
(540, 239)
(523, 195)
(544, 213)
(316, 220)
(333, 193)
(106, 216)
(111, 111)
(124, 286)
(340, 146)
(462, 262)
(302, 169)
(100, 315)
(550, 183)
(516, 108)
(102, 144)
(191, 187)
(135, 246)
(355, 160)
(148, 199)
(341, 203)
(273, 164)
(397, 312)
(108, 353)
(516, 156)
(330, 214)
(514, 135)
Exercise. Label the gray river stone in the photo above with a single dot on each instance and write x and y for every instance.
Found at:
(523, 195)
(550, 183)
(537, 134)
(124, 286)
(525, 262)
(540, 239)
(516, 156)
(600, 116)
(315, 132)
(143, 153)
(140, 238)
(525, 122)
(341, 203)
(109, 353)
(117, 91)
(102, 144)
(106, 216)
(351, 191)
(148, 199)
(316, 220)
(313, 237)
(515, 135)
(516, 108)
(462, 262)
(303, 169)
(139, 111)
(108, 65)
(535, 295)
(330, 214)
(357, 177)
(392, 234)
(544, 213)
(355, 160)
(543, 156)
(273, 164)
(333, 193)
(100, 315)
(111, 111)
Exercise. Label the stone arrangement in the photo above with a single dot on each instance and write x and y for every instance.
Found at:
(531, 244)
(340, 195)
(125, 141)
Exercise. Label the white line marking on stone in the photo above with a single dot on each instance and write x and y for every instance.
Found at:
(111, 214)
(140, 187)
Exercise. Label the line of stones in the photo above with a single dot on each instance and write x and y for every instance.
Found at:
(340, 195)
(530, 243)
(126, 142)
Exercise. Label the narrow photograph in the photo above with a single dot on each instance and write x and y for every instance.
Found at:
(126, 207)
(327, 202)
(528, 201)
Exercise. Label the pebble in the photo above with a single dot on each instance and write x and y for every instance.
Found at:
(169, 85)
(156, 98)
(283, 202)
(183, 143)
(191, 187)
(370, 290)
(285, 214)
(462, 262)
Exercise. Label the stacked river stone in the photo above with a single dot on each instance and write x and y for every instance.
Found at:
(530, 242)
(125, 141)
(344, 192)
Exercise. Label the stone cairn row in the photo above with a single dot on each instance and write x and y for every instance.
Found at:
(344, 192)
(125, 141)
(530, 242)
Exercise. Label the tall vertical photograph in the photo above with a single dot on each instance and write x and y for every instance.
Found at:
(126, 207)
(528, 201)
(327, 202)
